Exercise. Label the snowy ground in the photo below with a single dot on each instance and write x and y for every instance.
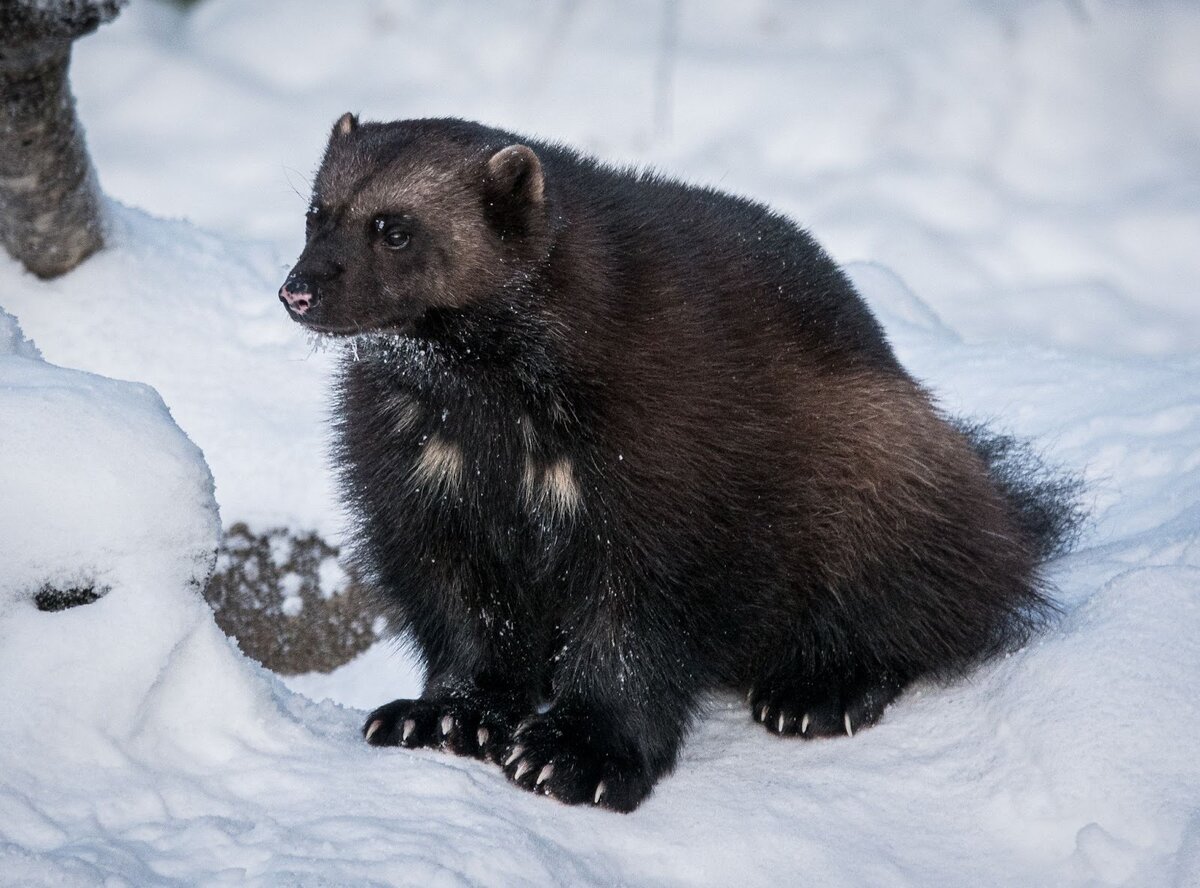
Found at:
(1030, 171)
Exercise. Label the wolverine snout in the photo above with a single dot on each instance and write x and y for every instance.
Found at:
(300, 291)
(296, 296)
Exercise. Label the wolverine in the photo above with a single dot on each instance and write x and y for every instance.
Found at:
(612, 443)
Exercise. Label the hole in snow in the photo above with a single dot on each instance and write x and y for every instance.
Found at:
(50, 598)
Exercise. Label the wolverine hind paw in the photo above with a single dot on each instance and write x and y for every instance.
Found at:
(809, 711)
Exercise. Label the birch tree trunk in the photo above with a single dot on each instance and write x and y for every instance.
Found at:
(49, 201)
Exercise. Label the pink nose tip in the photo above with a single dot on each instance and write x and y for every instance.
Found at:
(297, 302)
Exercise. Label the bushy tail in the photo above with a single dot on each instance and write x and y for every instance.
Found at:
(1045, 498)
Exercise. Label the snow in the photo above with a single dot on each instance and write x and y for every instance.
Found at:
(99, 483)
(1013, 188)
(331, 578)
(194, 314)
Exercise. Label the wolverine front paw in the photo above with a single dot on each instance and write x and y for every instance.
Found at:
(461, 726)
(560, 757)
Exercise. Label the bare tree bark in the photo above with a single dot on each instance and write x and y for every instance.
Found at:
(49, 200)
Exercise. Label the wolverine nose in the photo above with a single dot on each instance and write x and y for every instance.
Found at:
(296, 296)
(300, 291)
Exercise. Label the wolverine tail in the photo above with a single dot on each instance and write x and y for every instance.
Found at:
(1045, 499)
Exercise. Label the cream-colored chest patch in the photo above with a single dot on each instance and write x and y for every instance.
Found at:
(439, 465)
(553, 488)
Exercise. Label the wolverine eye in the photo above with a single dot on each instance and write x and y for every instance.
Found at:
(393, 235)
(396, 238)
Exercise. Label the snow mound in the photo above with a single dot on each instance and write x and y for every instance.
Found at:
(108, 506)
(97, 479)
(104, 501)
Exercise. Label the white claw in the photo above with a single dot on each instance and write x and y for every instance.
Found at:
(804, 724)
(544, 774)
(375, 726)
(516, 753)
(762, 714)
(521, 769)
(447, 725)
(482, 736)
(409, 727)
(779, 727)
(599, 793)
(750, 695)
(846, 722)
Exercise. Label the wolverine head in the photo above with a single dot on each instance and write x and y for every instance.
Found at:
(412, 217)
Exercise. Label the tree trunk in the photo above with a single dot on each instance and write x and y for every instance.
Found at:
(49, 201)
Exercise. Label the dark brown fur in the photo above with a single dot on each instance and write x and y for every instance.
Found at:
(614, 441)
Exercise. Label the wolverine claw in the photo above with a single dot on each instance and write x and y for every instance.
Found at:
(372, 728)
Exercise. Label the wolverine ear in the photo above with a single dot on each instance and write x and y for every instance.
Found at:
(515, 176)
(514, 191)
(345, 125)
